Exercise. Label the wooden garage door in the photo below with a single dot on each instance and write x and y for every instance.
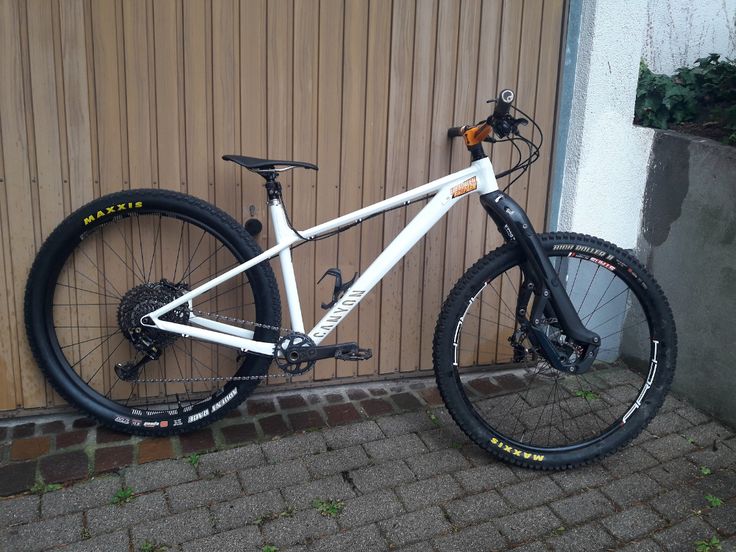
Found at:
(99, 95)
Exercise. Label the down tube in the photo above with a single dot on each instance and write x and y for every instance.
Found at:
(407, 238)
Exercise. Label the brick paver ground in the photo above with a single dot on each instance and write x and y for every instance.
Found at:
(406, 477)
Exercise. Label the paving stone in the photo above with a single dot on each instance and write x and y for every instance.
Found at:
(674, 472)
(57, 426)
(246, 509)
(382, 476)
(23, 430)
(150, 450)
(581, 478)
(111, 542)
(16, 478)
(631, 459)
(704, 435)
(721, 484)
(142, 508)
(82, 496)
(291, 401)
(366, 539)
(302, 421)
(197, 441)
(669, 447)
(354, 434)
(679, 503)
(646, 545)
(206, 491)
(633, 523)
(527, 525)
(30, 448)
(341, 414)
(376, 407)
(112, 458)
(429, 492)
(106, 435)
(370, 508)
(3, 433)
(239, 433)
(334, 398)
(260, 406)
(582, 507)
(231, 460)
(431, 396)
(722, 457)
(256, 480)
(531, 493)
(405, 423)
(294, 447)
(406, 401)
(478, 538)
(173, 530)
(307, 524)
(328, 463)
(536, 546)
(437, 462)
(414, 526)
(273, 425)
(357, 394)
(158, 475)
(21, 509)
(84, 423)
(477, 508)
(444, 437)
(395, 448)
(665, 423)
(631, 489)
(44, 534)
(483, 478)
(301, 496)
(67, 466)
(585, 538)
(71, 438)
(723, 518)
(237, 540)
(693, 415)
(684, 535)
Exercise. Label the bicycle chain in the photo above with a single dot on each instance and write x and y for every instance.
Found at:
(282, 331)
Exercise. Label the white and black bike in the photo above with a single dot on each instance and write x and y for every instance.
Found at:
(156, 313)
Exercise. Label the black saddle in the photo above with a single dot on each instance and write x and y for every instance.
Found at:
(265, 165)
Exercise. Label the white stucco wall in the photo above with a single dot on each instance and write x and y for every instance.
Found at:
(681, 31)
(605, 156)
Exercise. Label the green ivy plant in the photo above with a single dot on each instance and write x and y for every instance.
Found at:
(705, 93)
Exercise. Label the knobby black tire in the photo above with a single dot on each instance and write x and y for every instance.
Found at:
(61, 244)
(469, 417)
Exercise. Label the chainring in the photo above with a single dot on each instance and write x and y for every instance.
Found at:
(289, 350)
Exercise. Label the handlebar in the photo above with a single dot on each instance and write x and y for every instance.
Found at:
(499, 121)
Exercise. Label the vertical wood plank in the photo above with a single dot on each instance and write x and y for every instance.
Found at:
(374, 159)
(351, 161)
(18, 209)
(425, 35)
(304, 137)
(328, 148)
(442, 119)
(397, 152)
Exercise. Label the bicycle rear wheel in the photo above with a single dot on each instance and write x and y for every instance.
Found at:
(505, 395)
(120, 257)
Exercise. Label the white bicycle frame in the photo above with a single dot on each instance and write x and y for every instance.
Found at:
(477, 179)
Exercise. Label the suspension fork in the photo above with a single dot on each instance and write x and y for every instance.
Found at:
(540, 278)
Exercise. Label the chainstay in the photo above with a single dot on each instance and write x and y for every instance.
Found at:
(282, 331)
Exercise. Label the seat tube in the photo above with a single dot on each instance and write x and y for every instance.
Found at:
(283, 232)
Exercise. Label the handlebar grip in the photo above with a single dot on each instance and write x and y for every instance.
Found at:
(503, 103)
(455, 132)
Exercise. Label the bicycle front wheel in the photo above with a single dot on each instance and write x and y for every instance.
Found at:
(117, 259)
(505, 395)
